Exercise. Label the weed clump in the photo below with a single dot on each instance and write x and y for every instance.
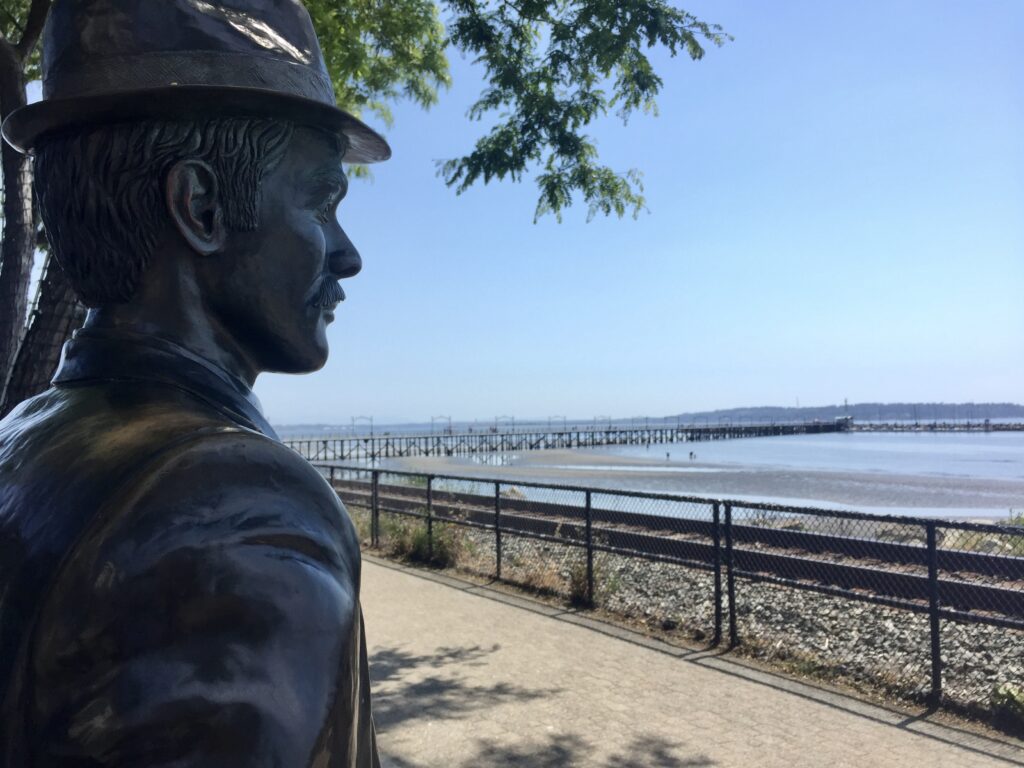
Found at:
(410, 539)
(1008, 707)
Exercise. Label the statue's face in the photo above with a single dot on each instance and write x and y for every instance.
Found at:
(276, 289)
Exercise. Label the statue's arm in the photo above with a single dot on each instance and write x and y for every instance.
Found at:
(209, 618)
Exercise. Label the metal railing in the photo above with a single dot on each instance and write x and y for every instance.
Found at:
(585, 543)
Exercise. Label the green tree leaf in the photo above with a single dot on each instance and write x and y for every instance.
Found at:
(554, 67)
(13, 16)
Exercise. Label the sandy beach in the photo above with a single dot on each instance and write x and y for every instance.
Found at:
(868, 491)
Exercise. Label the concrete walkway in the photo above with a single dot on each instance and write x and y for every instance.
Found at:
(468, 677)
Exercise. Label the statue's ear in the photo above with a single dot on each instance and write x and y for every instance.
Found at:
(193, 200)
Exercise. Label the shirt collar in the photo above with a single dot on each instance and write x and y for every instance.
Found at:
(99, 354)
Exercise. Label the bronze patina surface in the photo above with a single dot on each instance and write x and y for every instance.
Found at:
(176, 586)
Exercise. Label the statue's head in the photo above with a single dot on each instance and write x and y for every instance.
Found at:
(195, 147)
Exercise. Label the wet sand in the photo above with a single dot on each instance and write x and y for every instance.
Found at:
(868, 491)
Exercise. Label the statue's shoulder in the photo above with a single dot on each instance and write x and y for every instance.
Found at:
(228, 561)
(233, 459)
(141, 454)
(220, 468)
(222, 501)
(231, 480)
(109, 422)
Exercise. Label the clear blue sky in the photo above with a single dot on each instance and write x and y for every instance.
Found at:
(836, 211)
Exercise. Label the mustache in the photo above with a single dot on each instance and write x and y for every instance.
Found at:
(328, 294)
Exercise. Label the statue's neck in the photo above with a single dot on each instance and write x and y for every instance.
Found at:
(192, 330)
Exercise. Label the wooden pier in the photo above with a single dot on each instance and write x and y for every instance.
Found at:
(370, 448)
(937, 426)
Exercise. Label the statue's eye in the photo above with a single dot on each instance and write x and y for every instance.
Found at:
(325, 212)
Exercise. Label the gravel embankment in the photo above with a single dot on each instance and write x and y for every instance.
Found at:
(866, 645)
(860, 643)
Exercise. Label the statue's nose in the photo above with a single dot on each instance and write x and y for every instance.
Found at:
(344, 259)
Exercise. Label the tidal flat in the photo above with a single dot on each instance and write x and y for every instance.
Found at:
(981, 479)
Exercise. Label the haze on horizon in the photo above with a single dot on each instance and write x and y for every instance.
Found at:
(836, 205)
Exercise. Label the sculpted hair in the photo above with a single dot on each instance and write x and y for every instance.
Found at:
(101, 191)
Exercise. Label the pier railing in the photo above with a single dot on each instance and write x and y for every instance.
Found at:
(942, 602)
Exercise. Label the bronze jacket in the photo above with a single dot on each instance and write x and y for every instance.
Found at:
(176, 586)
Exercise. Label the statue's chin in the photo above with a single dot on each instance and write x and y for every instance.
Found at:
(308, 361)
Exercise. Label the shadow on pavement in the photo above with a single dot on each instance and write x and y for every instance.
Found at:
(389, 663)
(656, 752)
(409, 686)
(569, 750)
(434, 689)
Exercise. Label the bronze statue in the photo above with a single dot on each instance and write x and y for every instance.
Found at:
(176, 586)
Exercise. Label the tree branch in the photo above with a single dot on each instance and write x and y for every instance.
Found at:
(11, 88)
(33, 27)
(523, 15)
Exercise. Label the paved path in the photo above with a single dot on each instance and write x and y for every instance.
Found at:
(466, 677)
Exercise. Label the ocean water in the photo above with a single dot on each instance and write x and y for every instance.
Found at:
(969, 475)
(981, 455)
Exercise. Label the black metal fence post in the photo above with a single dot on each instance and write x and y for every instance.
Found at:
(430, 518)
(730, 579)
(590, 552)
(935, 695)
(330, 474)
(497, 530)
(716, 534)
(375, 509)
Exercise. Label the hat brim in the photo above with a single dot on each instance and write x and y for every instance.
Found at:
(23, 128)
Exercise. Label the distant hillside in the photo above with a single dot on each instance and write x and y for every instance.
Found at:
(865, 412)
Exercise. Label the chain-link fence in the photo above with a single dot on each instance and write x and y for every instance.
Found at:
(654, 559)
(659, 559)
(926, 586)
(979, 573)
(922, 608)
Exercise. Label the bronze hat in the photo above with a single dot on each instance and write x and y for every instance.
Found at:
(113, 60)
